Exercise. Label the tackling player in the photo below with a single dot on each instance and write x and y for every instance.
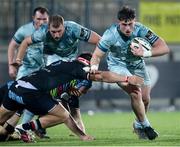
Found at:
(31, 92)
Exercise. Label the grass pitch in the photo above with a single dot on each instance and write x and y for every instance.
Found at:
(113, 129)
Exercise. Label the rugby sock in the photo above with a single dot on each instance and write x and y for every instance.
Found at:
(137, 124)
(32, 125)
(9, 128)
(145, 123)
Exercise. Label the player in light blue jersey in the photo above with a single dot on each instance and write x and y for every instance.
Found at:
(61, 39)
(34, 57)
(126, 60)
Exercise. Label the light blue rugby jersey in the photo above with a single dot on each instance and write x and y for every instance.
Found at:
(34, 56)
(67, 46)
(118, 44)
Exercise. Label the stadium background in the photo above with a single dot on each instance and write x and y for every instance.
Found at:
(163, 16)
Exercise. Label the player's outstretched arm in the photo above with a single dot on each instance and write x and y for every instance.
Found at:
(71, 124)
(110, 77)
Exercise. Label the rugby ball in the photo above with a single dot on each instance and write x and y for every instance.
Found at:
(138, 40)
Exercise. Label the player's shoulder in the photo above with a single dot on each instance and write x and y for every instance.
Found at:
(75, 64)
(139, 25)
(70, 24)
(113, 27)
(25, 30)
(71, 27)
(111, 31)
(27, 26)
(63, 62)
(67, 65)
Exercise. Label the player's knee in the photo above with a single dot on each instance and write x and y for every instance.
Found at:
(136, 94)
(2, 130)
(146, 101)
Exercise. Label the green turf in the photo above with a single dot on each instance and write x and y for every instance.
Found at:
(114, 129)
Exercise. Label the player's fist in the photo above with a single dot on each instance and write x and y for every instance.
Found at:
(94, 68)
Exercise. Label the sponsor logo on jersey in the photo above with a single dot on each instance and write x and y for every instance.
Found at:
(150, 35)
(84, 32)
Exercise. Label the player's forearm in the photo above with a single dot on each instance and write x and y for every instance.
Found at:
(11, 51)
(96, 58)
(160, 48)
(71, 124)
(107, 76)
(111, 77)
(11, 55)
(22, 50)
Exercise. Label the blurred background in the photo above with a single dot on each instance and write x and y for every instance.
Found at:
(162, 16)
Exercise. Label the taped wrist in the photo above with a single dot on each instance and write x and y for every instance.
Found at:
(126, 79)
(95, 67)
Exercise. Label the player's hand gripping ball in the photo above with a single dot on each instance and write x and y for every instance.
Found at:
(138, 40)
(146, 46)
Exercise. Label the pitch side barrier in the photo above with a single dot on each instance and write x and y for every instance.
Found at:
(165, 77)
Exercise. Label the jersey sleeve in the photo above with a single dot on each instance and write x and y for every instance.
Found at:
(80, 32)
(83, 83)
(19, 35)
(40, 34)
(148, 34)
(107, 40)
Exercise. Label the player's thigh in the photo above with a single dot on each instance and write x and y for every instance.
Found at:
(119, 68)
(141, 70)
(39, 103)
(59, 110)
(5, 114)
(56, 116)
(12, 101)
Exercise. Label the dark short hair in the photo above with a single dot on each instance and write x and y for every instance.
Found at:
(41, 9)
(126, 13)
(86, 56)
(56, 21)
